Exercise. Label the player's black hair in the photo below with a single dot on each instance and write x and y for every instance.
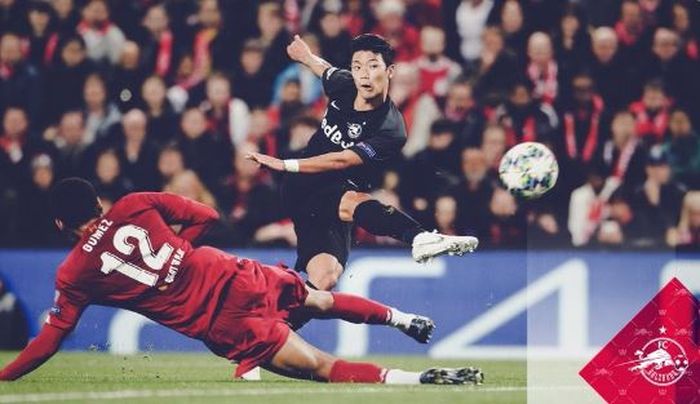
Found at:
(373, 43)
(74, 202)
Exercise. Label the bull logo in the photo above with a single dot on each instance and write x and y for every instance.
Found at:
(662, 361)
(354, 130)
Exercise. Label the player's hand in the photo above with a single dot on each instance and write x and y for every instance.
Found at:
(266, 161)
(298, 50)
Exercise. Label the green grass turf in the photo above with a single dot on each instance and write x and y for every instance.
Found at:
(195, 378)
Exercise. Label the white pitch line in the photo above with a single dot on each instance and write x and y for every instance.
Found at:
(136, 394)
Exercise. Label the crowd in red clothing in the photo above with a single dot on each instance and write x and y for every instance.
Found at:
(170, 95)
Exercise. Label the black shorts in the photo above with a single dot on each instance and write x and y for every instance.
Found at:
(312, 203)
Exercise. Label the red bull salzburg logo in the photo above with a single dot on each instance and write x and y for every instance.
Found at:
(662, 361)
(655, 357)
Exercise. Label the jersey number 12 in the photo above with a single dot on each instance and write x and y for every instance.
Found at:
(154, 260)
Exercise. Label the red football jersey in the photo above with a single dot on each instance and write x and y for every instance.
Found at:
(131, 259)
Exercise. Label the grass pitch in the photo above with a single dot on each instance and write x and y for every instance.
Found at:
(199, 378)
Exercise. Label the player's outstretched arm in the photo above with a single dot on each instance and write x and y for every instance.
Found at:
(323, 162)
(300, 52)
(43, 347)
(195, 218)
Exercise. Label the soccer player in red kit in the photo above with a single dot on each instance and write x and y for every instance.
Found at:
(132, 259)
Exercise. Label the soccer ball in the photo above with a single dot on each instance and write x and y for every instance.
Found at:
(528, 170)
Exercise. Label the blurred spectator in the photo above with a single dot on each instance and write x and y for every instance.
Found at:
(43, 41)
(683, 148)
(251, 204)
(20, 83)
(446, 215)
(107, 177)
(159, 52)
(162, 119)
(73, 158)
(204, 153)
(36, 224)
(507, 222)
(127, 78)
(14, 327)
(686, 236)
(400, 34)
(497, 67)
(207, 46)
(588, 204)
(100, 114)
(572, 44)
(290, 105)
(461, 108)
(676, 72)
(433, 170)
(253, 81)
(473, 194)
(542, 70)
(228, 117)
(512, 21)
(11, 16)
(103, 38)
(137, 155)
(334, 38)
(405, 91)
(262, 133)
(358, 17)
(300, 131)
(651, 113)
(609, 72)
(657, 202)
(171, 162)
(493, 145)
(465, 20)
(683, 25)
(66, 77)
(17, 148)
(525, 119)
(67, 17)
(310, 85)
(615, 229)
(189, 185)
(435, 69)
(623, 154)
(629, 29)
(273, 37)
(583, 118)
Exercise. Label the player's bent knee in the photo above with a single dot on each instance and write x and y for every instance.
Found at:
(324, 271)
(348, 203)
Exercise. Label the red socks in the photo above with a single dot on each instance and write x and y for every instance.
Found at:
(355, 372)
(358, 310)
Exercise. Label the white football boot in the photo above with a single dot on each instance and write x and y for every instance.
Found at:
(427, 245)
(253, 375)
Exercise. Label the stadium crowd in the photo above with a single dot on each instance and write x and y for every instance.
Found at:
(170, 95)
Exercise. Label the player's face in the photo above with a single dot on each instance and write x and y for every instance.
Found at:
(371, 74)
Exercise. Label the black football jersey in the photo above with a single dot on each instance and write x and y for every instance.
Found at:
(377, 136)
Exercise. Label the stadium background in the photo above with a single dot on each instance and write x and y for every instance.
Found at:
(150, 95)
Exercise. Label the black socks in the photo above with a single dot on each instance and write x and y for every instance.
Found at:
(384, 220)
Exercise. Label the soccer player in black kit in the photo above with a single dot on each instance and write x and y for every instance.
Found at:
(326, 191)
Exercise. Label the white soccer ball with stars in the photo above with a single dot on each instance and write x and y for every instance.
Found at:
(529, 170)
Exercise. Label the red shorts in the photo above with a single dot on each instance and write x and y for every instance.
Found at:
(250, 326)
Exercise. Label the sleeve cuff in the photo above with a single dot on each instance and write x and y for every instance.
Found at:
(365, 151)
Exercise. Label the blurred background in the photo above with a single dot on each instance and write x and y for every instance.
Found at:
(139, 95)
